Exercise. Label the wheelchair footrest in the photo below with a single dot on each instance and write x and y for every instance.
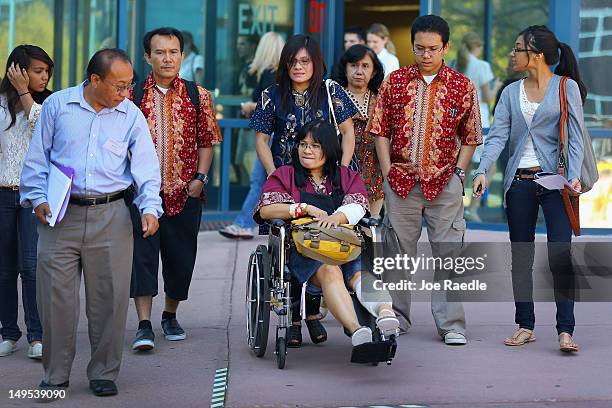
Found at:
(374, 352)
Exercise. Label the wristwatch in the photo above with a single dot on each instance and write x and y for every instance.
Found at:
(460, 172)
(202, 177)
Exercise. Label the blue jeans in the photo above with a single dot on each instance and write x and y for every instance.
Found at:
(258, 178)
(523, 200)
(18, 240)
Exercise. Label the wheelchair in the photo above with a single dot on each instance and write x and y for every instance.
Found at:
(268, 292)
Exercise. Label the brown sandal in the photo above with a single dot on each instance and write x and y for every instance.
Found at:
(520, 337)
(566, 343)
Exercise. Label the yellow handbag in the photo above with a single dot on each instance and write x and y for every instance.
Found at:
(332, 246)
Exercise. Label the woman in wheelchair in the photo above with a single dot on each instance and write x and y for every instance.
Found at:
(316, 186)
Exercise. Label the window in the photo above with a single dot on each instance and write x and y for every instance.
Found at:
(595, 59)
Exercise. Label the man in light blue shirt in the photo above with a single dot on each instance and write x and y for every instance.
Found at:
(104, 137)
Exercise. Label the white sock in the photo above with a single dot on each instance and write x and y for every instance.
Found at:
(371, 307)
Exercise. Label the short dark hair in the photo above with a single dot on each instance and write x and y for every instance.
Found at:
(356, 53)
(102, 60)
(323, 133)
(359, 31)
(431, 24)
(169, 31)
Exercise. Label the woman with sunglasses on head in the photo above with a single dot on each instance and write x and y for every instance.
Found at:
(22, 92)
(300, 96)
(360, 72)
(527, 118)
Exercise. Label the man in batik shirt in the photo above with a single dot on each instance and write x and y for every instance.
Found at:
(427, 123)
(182, 121)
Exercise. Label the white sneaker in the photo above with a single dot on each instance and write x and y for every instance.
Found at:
(7, 347)
(455, 339)
(35, 351)
(234, 231)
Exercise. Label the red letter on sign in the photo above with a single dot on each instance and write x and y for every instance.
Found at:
(317, 16)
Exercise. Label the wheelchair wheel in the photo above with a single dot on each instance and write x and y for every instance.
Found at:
(258, 300)
(281, 352)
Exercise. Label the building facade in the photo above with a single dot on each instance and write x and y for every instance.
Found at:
(225, 32)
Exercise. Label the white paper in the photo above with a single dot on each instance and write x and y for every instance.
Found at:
(58, 194)
(554, 182)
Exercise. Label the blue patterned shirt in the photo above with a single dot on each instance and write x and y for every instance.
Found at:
(271, 119)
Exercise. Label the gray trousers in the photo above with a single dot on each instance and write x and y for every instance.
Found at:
(98, 241)
(445, 224)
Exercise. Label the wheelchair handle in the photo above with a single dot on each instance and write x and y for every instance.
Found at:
(277, 222)
(369, 222)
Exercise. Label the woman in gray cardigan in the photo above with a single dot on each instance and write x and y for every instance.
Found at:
(527, 118)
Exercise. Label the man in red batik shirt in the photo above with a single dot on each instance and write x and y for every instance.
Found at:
(427, 123)
(182, 121)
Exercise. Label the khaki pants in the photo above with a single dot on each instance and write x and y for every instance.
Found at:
(97, 240)
(445, 224)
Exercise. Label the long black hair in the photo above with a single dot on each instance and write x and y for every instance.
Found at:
(293, 45)
(541, 40)
(323, 133)
(23, 55)
(355, 54)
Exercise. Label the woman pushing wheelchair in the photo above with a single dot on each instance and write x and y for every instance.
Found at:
(316, 186)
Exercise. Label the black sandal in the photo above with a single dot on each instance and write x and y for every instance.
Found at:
(317, 332)
(294, 336)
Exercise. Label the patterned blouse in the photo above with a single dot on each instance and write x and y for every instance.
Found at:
(427, 125)
(271, 119)
(178, 134)
(365, 150)
(280, 188)
(14, 142)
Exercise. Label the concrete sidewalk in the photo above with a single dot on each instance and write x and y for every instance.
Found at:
(425, 371)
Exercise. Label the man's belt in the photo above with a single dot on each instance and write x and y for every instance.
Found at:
(9, 188)
(97, 200)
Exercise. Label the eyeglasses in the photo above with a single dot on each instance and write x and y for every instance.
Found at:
(515, 50)
(304, 62)
(431, 51)
(315, 148)
(122, 88)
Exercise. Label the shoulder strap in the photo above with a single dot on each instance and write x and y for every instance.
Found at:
(330, 102)
(138, 93)
(563, 123)
(194, 95)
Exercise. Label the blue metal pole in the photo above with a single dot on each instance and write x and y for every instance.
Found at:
(225, 168)
(122, 24)
(298, 16)
(210, 33)
(330, 47)
(564, 21)
(424, 7)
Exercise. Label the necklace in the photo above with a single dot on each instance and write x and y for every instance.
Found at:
(363, 109)
(319, 187)
(299, 98)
